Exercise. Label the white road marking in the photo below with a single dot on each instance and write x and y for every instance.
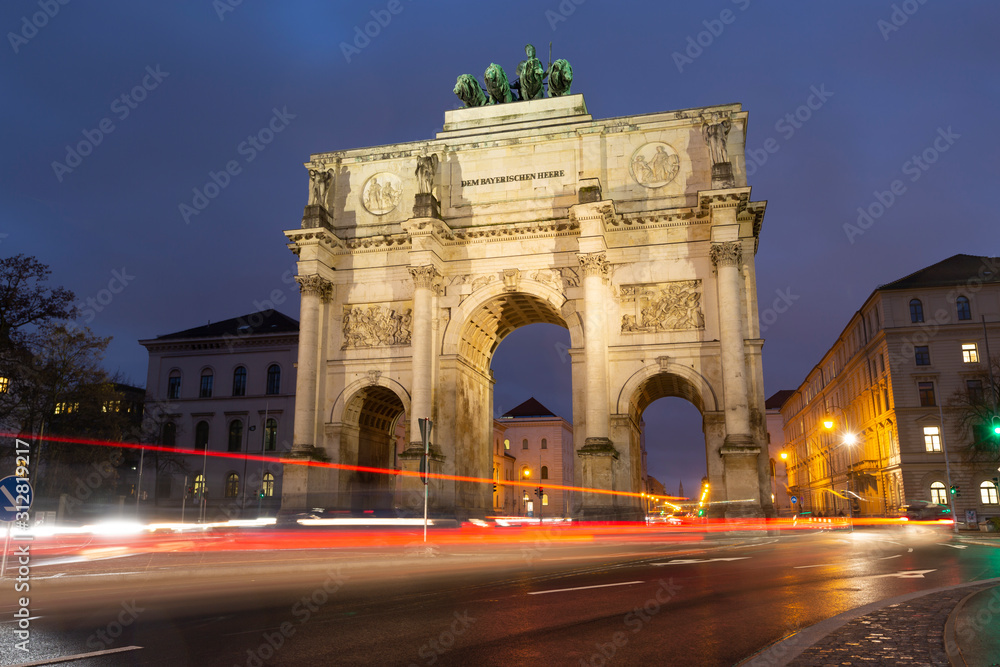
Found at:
(583, 588)
(79, 656)
(953, 546)
(906, 574)
(888, 557)
(689, 561)
(802, 567)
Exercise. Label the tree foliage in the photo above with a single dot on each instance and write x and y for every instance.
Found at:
(976, 410)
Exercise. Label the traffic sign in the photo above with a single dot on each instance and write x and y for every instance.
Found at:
(9, 497)
(794, 499)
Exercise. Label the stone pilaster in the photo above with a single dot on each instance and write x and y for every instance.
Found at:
(727, 258)
(316, 291)
(422, 341)
(595, 268)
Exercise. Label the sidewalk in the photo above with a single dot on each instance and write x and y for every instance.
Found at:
(956, 625)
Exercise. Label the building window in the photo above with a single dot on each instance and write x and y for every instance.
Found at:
(199, 485)
(4, 384)
(235, 435)
(916, 311)
(964, 311)
(988, 493)
(174, 386)
(932, 438)
(524, 444)
(273, 379)
(545, 443)
(168, 436)
(506, 443)
(974, 391)
(939, 494)
(271, 434)
(201, 435)
(205, 390)
(545, 499)
(240, 381)
(922, 354)
(970, 353)
(926, 394)
(545, 472)
(267, 485)
(232, 485)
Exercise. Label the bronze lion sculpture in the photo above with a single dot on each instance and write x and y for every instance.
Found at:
(560, 78)
(497, 85)
(469, 91)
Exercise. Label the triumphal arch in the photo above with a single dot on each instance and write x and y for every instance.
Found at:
(637, 234)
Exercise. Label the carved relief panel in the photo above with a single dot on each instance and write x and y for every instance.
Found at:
(651, 307)
(377, 326)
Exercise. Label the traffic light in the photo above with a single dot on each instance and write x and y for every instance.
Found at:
(494, 487)
(538, 492)
(996, 425)
(956, 490)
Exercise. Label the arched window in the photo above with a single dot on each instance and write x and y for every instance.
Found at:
(174, 385)
(232, 485)
(271, 434)
(988, 493)
(545, 472)
(545, 443)
(545, 499)
(235, 435)
(524, 444)
(916, 311)
(273, 379)
(240, 381)
(267, 485)
(205, 389)
(199, 485)
(168, 436)
(506, 443)
(964, 310)
(939, 494)
(201, 435)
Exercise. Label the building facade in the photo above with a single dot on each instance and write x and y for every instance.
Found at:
(867, 430)
(224, 388)
(637, 234)
(777, 455)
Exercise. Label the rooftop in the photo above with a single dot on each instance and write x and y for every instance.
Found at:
(263, 322)
(530, 408)
(956, 270)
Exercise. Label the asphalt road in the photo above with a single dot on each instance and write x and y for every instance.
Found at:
(711, 602)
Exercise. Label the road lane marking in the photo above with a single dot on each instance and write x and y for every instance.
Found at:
(583, 588)
(689, 561)
(802, 567)
(888, 557)
(906, 574)
(953, 546)
(79, 656)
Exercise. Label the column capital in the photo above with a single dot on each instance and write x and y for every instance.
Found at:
(424, 276)
(594, 264)
(315, 284)
(729, 253)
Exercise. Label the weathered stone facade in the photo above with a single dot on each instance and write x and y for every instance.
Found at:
(612, 229)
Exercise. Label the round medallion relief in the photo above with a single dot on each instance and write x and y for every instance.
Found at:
(655, 164)
(380, 193)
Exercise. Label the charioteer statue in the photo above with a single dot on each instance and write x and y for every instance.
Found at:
(529, 85)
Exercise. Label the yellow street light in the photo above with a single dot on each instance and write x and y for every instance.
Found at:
(828, 424)
(784, 455)
(526, 472)
(850, 439)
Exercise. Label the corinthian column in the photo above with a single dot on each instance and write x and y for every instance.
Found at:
(727, 258)
(315, 290)
(595, 271)
(422, 341)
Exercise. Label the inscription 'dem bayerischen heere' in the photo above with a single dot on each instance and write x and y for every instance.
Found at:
(492, 180)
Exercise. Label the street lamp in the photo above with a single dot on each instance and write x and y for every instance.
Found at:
(525, 474)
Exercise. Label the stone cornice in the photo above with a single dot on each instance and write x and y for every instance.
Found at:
(212, 345)
(315, 235)
(720, 199)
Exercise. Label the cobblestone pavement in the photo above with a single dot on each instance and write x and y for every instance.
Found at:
(908, 633)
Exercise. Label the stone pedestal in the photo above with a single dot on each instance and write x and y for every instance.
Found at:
(315, 216)
(425, 205)
(722, 176)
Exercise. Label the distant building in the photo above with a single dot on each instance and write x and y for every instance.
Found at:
(506, 498)
(895, 379)
(777, 456)
(541, 447)
(224, 387)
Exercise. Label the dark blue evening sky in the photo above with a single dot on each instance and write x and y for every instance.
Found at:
(117, 210)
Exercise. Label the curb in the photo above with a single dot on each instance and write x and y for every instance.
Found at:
(787, 649)
(951, 647)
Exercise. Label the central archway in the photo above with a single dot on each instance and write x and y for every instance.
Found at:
(372, 417)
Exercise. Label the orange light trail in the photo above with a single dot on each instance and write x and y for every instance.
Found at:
(334, 466)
